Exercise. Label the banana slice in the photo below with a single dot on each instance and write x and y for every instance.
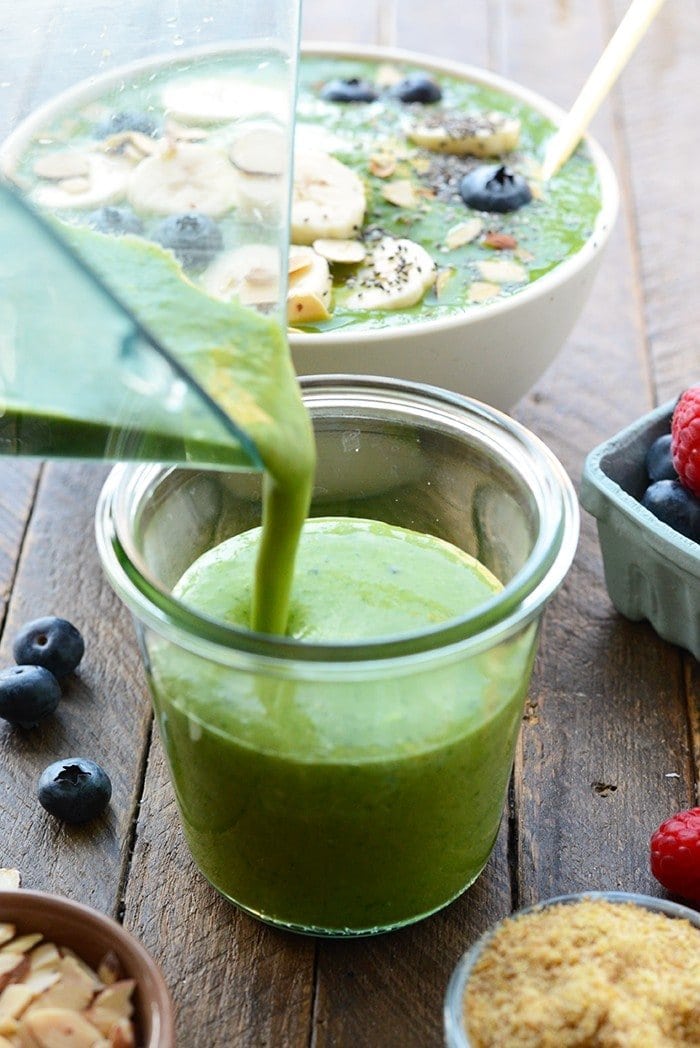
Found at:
(216, 99)
(309, 294)
(398, 274)
(328, 199)
(184, 176)
(103, 180)
(474, 134)
(251, 274)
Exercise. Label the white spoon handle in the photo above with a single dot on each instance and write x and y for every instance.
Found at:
(631, 29)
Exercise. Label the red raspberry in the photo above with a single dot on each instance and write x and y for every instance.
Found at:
(675, 854)
(685, 439)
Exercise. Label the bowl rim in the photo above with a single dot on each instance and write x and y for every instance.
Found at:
(153, 989)
(456, 1036)
(531, 293)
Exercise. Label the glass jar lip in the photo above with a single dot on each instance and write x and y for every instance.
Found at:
(455, 1034)
(503, 615)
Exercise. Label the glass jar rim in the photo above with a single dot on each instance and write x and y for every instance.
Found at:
(505, 614)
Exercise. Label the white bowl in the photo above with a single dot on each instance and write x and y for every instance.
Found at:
(494, 352)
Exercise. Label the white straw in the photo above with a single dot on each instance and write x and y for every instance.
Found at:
(631, 29)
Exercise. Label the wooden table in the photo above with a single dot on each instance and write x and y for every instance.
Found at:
(611, 738)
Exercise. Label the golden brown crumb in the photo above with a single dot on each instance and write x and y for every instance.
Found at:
(589, 974)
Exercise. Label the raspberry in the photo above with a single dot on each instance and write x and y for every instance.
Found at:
(685, 439)
(675, 854)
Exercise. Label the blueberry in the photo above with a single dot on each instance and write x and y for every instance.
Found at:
(192, 237)
(493, 187)
(50, 642)
(127, 120)
(417, 87)
(659, 462)
(350, 90)
(75, 790)
(116, 220)
(28, 694)
(674, 505)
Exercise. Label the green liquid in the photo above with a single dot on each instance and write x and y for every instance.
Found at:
(355, 805)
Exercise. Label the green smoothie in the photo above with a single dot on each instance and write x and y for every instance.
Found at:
(358, 804)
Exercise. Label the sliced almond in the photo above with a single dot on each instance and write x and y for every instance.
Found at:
(4, 1043)
(73, 990)
(41, 980)
(121, 1035)
(9, 880)
(482, 291)
(442, 279)
(14, 999)
(109, 969)
(13, 967)
(7, 932)
(62, 1028)
(463, 233)
(58, 166)
(503, 271)
(45, 956)
(259, 151)
(382, 164)
(112, 1004)
(22, 944)
(401, 193)
(345, 251)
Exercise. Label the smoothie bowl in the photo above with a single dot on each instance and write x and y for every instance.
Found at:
(403, 260)
(348, 777)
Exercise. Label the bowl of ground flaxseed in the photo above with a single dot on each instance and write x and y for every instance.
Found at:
(599, 969)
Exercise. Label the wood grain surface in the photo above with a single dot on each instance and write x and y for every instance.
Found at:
(611, 737)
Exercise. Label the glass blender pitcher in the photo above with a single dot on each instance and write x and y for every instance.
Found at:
(162, 151)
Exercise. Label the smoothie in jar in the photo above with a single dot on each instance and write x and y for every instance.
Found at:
(351, 805)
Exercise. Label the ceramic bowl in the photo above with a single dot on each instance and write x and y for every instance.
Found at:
(91, 935)
(453, 1014)
(494, 352)
(651, 571)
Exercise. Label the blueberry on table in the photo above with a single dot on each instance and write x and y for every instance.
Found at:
(417, 87)
(28, 694)
(193, 238)
(75, 790)
(115, 220)
(351, 89)
(493, 187)
(127, 120)
(673, 504)
(50, 642)
(659, 461)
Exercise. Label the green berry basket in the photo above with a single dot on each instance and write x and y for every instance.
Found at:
(651, 571)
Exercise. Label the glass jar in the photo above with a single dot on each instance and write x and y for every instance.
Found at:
(347, 789)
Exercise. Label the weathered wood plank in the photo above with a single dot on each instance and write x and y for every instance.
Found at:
(103, 714)
(598, 762)
(234, 980)
(18, 480)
